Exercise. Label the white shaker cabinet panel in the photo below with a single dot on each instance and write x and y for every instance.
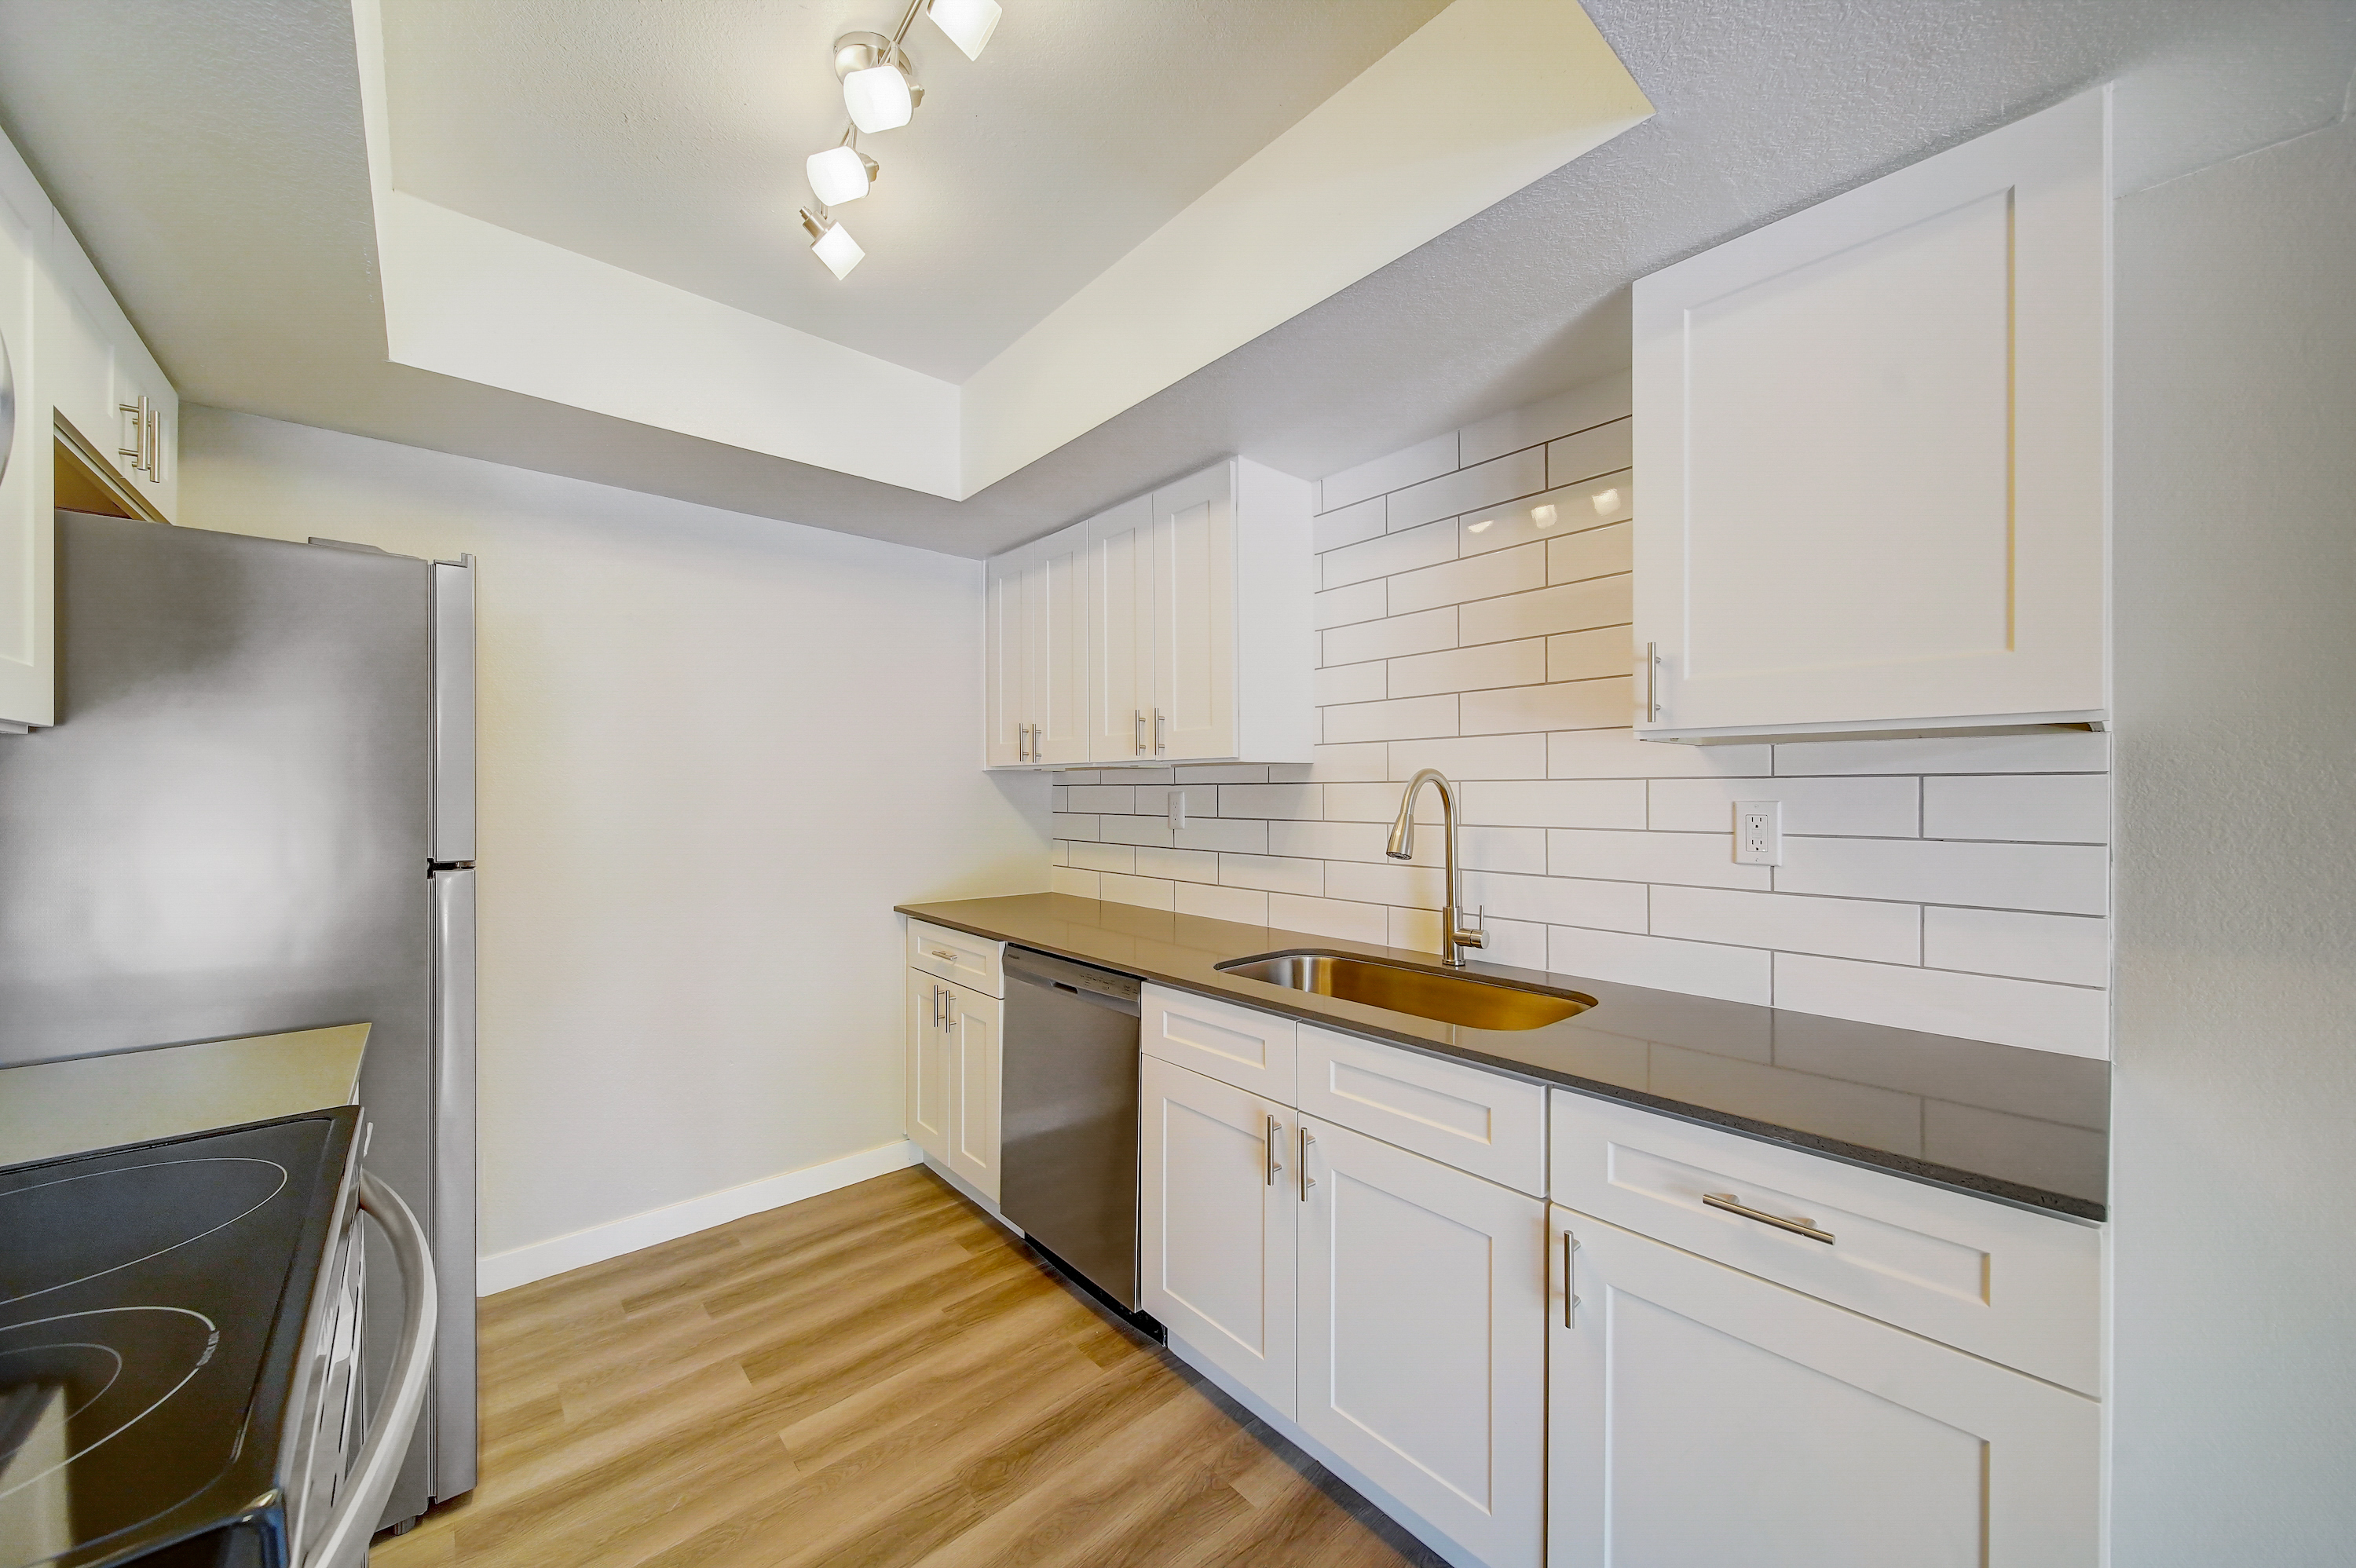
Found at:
(27, 569)
(1483, 1122)
(1121, 633)
(1006, 662)
(928, 1114)
(1056, 606)
(103, 384)
(1217, 1225)
(1701, 1417)
(1873, 437)
(1242, 1046)
(1193, 572)
(971, 1024)
(1423, 1300)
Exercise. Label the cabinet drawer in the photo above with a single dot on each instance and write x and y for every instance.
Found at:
(2018, 1288)
(1483, 1122)
(1234, 1045)
(957, 957)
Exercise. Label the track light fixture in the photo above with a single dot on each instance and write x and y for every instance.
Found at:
(831, 242)
(879, 93)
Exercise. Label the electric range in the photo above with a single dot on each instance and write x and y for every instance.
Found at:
(179, 1334)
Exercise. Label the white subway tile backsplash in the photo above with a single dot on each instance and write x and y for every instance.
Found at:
(1177, 865)
(1274, 874)
(1147, 892)
(1588, 404)
(1467, 489)
(1327, 917)
(2062, 752)
(1246, 906)
(1566, 705)
(1558, 901)
(1618, 754)
(2067, 1018)
(1366, 682)
(1848, 807)
(1697, 968)
(1694, 859)
(1572, 607)
(1472, 757)
(1351, 525)
(1569, 802)
(1272, 800)
(1102, 857)
(1392, 638)
(1477, 577)
(1407, 718)
(1581, 656)
(1598, 552)
(2061, 878)
(1348, 606)
(1591, 451)
(2060, 808)
(2070, 948)
(1841, 928)
(1392, 553)
(1073, 884)
(1476, 619)
(1399, 469)
(1470, 669)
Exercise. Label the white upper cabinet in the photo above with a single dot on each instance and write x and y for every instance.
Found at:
(104, 386)
(1195, 615)
(1873, 438)
(27, 646)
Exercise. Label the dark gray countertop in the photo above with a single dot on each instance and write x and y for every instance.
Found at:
(2030, 1127)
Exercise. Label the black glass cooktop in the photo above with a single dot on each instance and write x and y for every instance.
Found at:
(151, 1304)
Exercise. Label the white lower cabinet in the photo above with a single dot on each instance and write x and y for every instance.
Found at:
(1423, 1300)
(1700, 1417)
(953, 1078)
(1219, 1218)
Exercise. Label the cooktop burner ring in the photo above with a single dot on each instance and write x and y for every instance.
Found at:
(213, 1342)
(114, 1176)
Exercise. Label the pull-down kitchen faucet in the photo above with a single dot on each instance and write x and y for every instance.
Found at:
(1452, 937)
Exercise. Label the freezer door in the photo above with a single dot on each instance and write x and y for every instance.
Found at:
(452, 1409)
(454, 711)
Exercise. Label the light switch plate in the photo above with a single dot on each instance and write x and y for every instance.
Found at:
(1758, 832)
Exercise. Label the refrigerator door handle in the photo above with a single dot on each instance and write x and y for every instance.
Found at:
(453, 627)
(453, 1443)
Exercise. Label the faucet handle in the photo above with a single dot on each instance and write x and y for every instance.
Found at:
(1478, 936)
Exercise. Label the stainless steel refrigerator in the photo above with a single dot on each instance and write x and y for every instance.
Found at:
(256, 814)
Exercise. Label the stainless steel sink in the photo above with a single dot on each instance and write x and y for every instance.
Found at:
(1431, 994)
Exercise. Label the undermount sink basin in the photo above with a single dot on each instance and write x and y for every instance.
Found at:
(1431, 994)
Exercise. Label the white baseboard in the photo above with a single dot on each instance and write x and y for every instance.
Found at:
(522, 1266)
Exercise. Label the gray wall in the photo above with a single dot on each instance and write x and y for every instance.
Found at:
(2235, 1111)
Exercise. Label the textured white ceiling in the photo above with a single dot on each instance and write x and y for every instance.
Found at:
(221, 183)
(667, 140)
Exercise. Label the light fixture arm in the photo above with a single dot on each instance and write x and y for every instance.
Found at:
(907, 20)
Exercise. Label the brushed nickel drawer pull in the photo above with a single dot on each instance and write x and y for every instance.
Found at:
(1797, 1227)
(942, 952)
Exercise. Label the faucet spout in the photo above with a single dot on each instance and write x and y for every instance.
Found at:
(1453, 935)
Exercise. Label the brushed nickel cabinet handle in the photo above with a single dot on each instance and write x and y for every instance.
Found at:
(1307, 1180)
(1570, 1281)
(942, 952)
(137, 450)
(1652, 683)
(1139, 714)
(1161, 742)
(1275, 1131)
(1807, 1227)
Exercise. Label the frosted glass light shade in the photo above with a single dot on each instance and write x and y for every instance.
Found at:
(968, 23)
(836, 175)
(838, 250)
(878, 97)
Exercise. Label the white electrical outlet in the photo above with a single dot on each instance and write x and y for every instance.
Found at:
(1177, 810)
(1758, 832)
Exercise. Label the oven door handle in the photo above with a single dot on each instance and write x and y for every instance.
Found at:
(345, 1541)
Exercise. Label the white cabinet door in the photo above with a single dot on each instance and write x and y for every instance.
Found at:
(1193, 573)
(1121, 633)
(1873, 438)
(1218, 1216)
(1701, 1417)
(928, 1066)
(1055, 600)
(101, 380)
(1006, 659)
(28, 571)
(971, 1025)
(1423, 1301)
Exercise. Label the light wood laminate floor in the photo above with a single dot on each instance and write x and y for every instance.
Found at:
(872, 1378)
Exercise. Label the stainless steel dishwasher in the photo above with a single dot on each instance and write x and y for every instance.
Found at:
(1068, 1120)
